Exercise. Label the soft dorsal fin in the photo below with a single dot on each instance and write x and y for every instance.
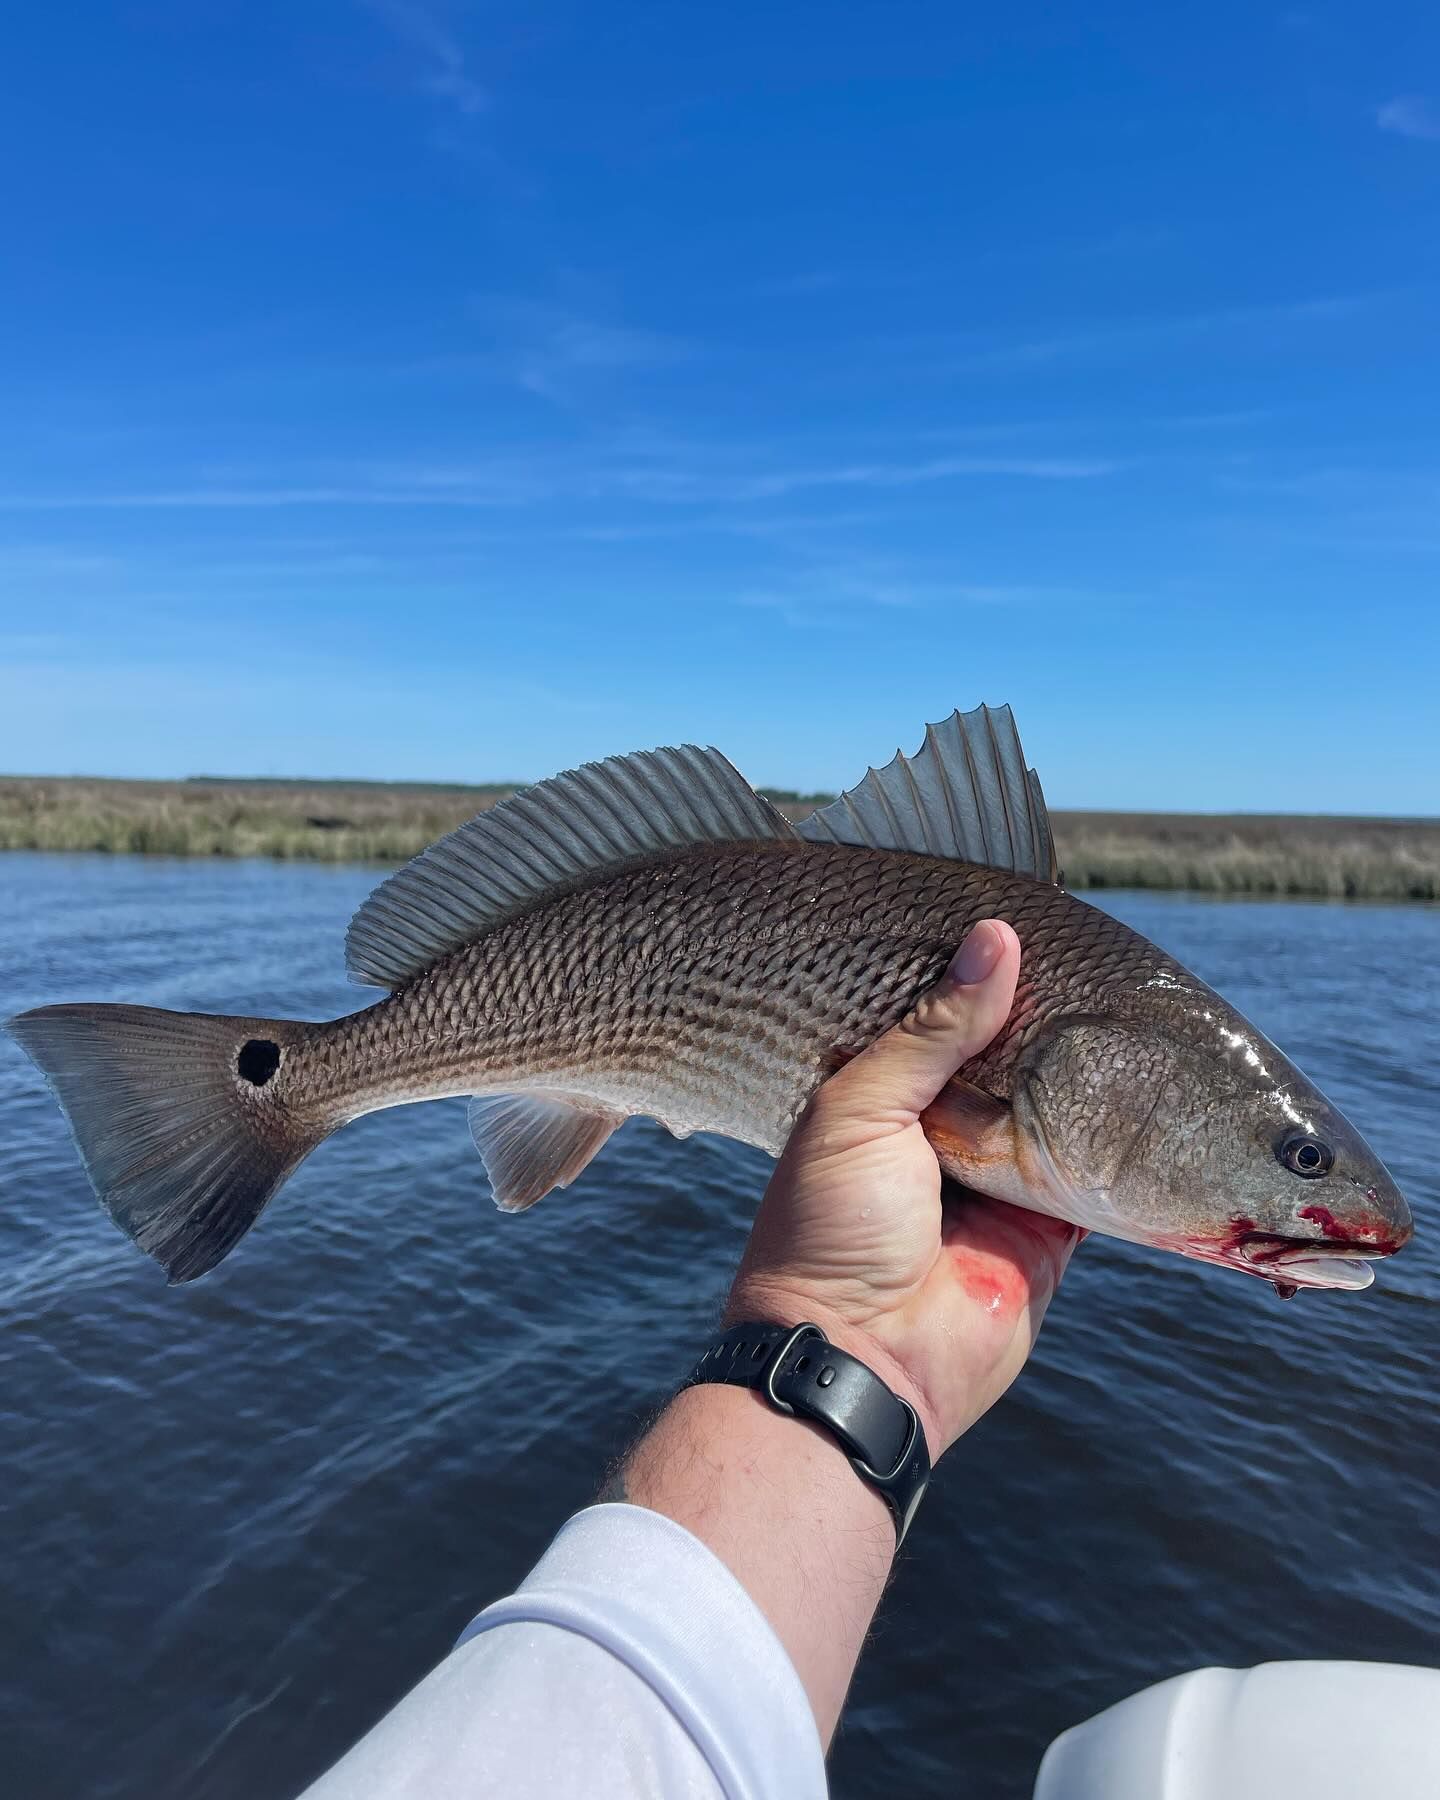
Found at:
(551, 835)
(966, 794)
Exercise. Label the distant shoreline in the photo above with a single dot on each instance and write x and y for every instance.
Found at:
(387, 823)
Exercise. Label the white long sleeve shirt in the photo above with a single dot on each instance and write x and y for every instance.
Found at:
(629, 1665)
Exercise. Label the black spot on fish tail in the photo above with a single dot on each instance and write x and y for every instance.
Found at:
(258, 1060)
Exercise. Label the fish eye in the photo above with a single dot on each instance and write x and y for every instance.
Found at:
(1305, 1155)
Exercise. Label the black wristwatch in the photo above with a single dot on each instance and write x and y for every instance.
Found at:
(799, 1371)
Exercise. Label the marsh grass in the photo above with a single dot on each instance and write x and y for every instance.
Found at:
(1364, 859)
(1323, 857)
(324, 822)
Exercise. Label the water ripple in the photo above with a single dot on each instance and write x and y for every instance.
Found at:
(244, 1516)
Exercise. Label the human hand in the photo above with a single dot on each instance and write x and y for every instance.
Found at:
(943, 1300)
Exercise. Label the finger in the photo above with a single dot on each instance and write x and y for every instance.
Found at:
(903, 1070)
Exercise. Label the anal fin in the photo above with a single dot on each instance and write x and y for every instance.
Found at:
(534, 1141)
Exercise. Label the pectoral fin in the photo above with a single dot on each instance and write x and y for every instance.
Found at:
(971, 1133)
(535, 1141)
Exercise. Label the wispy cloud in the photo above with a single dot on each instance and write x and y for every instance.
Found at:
(829, 596)
(1145, 334)
(1352, 481)
(18, 645)
(657, 481)
(1371, 508)
(913, 474)
(162, 499)
(30, 562)
(1411, 116)
(554, 352)
(1216, 421)
(802, 284)
(443, 71)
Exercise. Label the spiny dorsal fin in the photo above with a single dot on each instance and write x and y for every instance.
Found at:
(535, 1141)
(557, 832)
(965, 794)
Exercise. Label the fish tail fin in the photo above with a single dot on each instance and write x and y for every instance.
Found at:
(185, 1121)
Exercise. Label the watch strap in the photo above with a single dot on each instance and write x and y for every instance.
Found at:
(800, 1372)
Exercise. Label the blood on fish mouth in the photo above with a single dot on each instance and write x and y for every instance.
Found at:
(1291, 1263)
(1268, 1248)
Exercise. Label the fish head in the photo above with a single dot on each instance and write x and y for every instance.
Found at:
(1190, 1131)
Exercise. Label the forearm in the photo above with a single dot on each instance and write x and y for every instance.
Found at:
(854, 1235)
(779, 1504)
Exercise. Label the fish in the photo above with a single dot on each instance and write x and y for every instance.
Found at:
(649, 935)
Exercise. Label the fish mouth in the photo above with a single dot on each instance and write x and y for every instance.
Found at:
(1291, 1263)
(1305, 1262)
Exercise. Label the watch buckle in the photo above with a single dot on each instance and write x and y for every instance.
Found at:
(797, 1336)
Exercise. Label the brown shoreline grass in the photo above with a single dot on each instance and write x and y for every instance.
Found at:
(1333, 858)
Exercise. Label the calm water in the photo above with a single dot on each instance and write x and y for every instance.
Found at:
(241, 1518)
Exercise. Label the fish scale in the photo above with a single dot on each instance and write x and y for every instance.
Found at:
(860, 932)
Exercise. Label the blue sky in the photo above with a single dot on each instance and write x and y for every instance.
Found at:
(390, 388)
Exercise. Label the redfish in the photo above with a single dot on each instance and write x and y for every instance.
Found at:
(649, 935)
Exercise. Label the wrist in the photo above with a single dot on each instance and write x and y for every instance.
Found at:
(777, 1501)
(774, 1303)
(798, 1467)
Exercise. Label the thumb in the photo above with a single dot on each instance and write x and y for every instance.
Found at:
(906, 1067)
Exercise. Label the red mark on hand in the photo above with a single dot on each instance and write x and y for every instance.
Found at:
(990, 1295)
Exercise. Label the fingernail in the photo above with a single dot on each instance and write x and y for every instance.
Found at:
(977, 956)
